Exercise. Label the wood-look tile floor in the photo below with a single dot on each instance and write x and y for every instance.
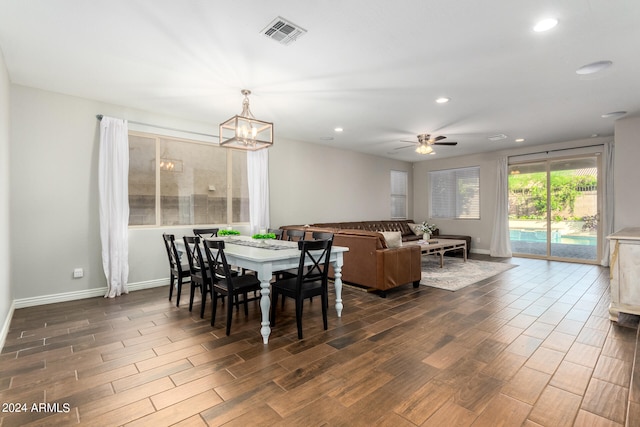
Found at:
(530, 347)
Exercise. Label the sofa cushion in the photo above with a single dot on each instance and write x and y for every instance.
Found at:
(393, 238)
(415, 228)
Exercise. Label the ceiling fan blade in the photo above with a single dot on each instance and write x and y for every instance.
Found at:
(438, 138)
(406, 146)
(445, 143)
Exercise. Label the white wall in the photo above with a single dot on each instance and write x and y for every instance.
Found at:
(312, 183)
(6, 296)
(54, 197)
(627, 173)
(479, 230)
(54, 200)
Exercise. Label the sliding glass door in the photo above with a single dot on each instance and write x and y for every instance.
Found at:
(553, 208)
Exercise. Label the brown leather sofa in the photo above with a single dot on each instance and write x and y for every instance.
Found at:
(369, 262)
(394, 225)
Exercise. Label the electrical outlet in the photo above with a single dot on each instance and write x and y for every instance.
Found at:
(477, 240)
(78, 273)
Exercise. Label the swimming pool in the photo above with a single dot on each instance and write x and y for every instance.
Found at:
(536, 235)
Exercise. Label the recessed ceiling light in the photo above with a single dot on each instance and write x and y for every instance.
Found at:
(594, 135)
(613, 115)
(520, 140)
(594, 67)
(442, 100)
(338, 129)
(545, 25)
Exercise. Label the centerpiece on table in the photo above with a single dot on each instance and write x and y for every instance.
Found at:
(223, 233)
(427, 229)
(264, 236)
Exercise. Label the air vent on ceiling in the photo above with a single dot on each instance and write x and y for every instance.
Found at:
(283, 31)
(497, 137)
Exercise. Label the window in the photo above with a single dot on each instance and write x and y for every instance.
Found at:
(399, 184)
(181, 182)
(455, 193)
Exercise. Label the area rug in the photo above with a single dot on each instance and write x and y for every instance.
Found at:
(457, 274)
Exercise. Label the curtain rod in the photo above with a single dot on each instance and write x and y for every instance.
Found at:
(559, 149)
(100, 116)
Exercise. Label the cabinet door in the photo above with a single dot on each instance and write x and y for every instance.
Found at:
(629, 259)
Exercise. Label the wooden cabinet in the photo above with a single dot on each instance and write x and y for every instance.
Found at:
(624, 264)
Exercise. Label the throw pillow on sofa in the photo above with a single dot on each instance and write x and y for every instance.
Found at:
(393, 238)
(415, 228)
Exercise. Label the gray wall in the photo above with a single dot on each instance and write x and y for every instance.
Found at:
(627, 173)
(54, 201)
(480, 230)
(314, 183)
(54, 206)
(6, 295)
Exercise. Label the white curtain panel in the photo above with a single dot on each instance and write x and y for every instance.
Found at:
(113, 182)
(606, 218)
(500, 241)
(258, 181)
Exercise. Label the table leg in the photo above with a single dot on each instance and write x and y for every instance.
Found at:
(265, 306)
(337, 282)
(464, 251)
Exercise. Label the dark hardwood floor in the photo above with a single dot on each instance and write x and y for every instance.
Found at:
(532, 346)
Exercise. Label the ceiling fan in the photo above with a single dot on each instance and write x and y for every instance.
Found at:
(425, 141)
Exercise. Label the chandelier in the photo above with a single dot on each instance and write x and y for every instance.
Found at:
(244, 131)
(424, 148)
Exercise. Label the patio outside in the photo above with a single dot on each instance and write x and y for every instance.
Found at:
(572, 206)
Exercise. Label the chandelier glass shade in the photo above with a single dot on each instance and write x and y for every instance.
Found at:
(424, 148)
(244, 131)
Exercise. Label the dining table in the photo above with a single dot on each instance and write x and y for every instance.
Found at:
(266, 257)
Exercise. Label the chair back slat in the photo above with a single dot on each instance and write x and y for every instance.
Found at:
(206, 233)
(217, 260)
(295, 235)
(197, 263)
(318, 252)
(172, 251)
(322, 235)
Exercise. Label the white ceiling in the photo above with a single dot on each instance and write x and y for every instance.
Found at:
(373, 67)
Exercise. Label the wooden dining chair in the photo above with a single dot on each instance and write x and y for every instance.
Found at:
(200, 276)
(322, 235)
(205, 233)
(226, 284)
(277, 232)
(178, 271)
(295, 235)
(310, 281)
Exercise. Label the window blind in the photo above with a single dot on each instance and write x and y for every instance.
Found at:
(455, 193)
(399, 185)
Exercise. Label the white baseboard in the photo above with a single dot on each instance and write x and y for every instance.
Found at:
(5, 326)
(480, 251)
(87, 293)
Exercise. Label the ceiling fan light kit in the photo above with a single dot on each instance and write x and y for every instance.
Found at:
(426, 141)
(424, 149)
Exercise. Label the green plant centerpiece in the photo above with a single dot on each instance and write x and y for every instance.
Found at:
(228, 233)
(264, 236)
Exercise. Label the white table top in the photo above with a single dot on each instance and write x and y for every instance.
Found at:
(629, 233)
(259, 254)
